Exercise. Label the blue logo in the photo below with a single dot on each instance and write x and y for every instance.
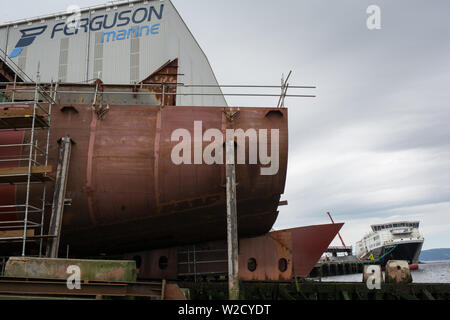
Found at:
(28, 36)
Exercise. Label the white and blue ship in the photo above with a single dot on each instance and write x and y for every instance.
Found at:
(391, 241)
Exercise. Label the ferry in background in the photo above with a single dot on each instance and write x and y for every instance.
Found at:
(391, 241)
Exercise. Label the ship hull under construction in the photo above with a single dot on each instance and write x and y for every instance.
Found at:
(124, 190)
(127, 198)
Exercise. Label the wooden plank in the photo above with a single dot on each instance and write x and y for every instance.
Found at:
(23, 179)
(24, 170)
(163, 289)
(283, 203)
(17, 111)
(22, 122)
(20, 174)
(15, 233)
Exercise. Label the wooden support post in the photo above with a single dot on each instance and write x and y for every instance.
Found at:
(59, 196)
(163, 289)
(232, 228)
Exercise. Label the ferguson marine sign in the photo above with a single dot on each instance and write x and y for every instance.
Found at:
(118, 43)
(104, 22)
(97, 23)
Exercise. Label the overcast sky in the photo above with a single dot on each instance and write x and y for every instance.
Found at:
(374, 146)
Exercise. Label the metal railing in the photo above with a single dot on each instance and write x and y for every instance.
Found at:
(166, 90)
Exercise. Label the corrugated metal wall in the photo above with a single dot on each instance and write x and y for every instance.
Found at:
(85, 56)
(4, 39)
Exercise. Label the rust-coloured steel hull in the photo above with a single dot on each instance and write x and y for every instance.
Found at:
(300, 248)
(309, 243)
(8, 192)
(126, 193)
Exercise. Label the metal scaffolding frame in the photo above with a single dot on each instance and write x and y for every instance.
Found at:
(27, 116)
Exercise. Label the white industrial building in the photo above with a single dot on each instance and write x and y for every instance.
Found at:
(119, 43)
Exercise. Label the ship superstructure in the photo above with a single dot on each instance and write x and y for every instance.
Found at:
(391, 241)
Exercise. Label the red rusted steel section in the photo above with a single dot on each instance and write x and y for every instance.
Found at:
(6, 74)
(166, 74)
(266, 253)
(276, 256)
(309, 243)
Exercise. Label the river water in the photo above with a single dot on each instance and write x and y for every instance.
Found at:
(429, 272)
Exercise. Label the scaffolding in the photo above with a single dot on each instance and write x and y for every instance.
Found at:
(26, 163)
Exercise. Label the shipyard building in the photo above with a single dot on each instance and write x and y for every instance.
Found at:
(121, 43)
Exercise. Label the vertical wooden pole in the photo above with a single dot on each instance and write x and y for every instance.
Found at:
(232, 229)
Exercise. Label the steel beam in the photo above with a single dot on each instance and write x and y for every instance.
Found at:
(59, 196)
(232, 228)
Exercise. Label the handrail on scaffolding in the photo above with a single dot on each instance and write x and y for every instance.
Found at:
(283, 95)
(166, 90)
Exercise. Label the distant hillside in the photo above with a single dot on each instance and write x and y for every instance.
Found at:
(435, 254)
